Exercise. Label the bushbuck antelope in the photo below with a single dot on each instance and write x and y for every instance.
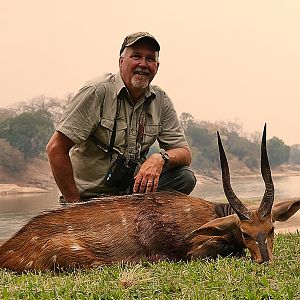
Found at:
(157, 226)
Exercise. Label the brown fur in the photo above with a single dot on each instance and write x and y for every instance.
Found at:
(158, 226)
(106, 231)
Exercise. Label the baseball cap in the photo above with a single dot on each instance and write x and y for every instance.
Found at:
(134, 37)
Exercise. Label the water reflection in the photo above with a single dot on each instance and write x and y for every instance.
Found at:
(250, 188)
(17, 209)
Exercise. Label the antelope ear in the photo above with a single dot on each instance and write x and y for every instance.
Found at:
(217, 226)
(282, 211)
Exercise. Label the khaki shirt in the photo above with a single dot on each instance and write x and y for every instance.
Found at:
(93, 111)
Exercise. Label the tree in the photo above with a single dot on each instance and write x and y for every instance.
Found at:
(245, 150)
(203, 145)
(295, 154)
(230, 127)
(29, 132)
(51, 105)
(186, 120)
(11, 159)
(278, 152)
(6, 113)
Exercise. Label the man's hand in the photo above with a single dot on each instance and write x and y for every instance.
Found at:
(147, 178)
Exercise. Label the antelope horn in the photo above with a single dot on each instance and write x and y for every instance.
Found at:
(240, 209)
(266, 204)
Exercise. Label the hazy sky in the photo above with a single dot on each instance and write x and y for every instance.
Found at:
(220, 60)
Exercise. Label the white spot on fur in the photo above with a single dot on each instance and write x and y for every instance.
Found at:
(187, 208)
(199, 247)
(29, 264)
(70, 228)
(34, 238)
(124, 221)
(76, 247)
(123, 218)
(10, 252)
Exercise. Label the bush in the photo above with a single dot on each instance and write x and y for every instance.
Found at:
(29, 132)
(295, 155)
(11, 159)
(278, 152)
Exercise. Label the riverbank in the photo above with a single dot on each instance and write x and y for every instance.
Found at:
(38, 179)
(237, 171)
(6, 189)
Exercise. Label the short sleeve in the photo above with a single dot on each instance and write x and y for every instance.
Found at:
(82, 116)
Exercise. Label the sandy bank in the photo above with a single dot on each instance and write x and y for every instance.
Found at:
(6, 189)
(290, 226)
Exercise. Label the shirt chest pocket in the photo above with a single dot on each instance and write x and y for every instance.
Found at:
(105, 129)
(151, 132)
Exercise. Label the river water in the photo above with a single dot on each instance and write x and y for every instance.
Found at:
(17, 209)
(250, 188)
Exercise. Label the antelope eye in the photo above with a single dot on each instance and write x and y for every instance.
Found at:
(246, 236)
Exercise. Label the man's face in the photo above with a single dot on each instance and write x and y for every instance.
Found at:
(139, 65)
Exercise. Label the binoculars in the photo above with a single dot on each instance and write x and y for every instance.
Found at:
(120, 174)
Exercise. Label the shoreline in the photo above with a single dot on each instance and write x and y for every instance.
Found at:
(10, 188)
(215, 177)
(290, 226)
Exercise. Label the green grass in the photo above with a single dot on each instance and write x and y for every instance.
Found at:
(224, 278)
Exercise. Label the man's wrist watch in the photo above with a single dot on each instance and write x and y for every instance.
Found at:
(165, 157)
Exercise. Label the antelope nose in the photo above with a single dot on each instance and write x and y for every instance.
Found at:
(259, 260)
(262, 261)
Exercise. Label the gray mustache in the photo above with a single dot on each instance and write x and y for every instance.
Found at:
(141, 70)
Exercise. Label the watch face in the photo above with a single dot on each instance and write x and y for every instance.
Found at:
(165, 157)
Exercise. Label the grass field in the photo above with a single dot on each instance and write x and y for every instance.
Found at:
(224, 278)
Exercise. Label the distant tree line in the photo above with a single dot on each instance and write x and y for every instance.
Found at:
(203, 142)
(26, 127)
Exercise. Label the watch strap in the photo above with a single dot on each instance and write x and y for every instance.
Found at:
(165, 157)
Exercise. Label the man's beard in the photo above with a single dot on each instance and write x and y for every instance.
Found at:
(140, 79)
(140, 83)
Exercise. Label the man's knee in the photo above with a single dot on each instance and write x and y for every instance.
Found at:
(187, 181)
(181, 179)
